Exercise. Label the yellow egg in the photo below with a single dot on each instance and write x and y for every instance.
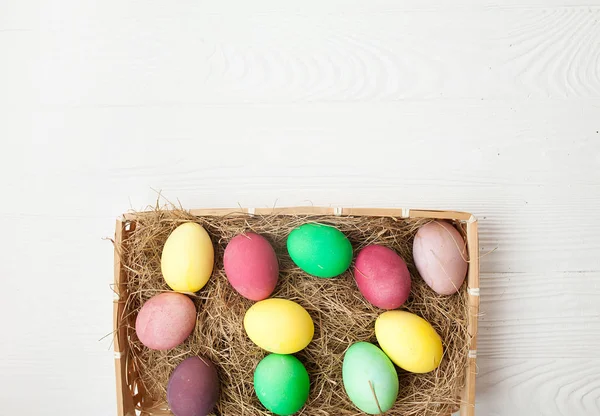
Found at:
(187, 258)
(409, 340)
(279, 325)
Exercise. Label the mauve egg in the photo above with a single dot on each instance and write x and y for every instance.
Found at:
(382, 277)
(165, 320)
(251, 266)
(193, 388)
(440, 255)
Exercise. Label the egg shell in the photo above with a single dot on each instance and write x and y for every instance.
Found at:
(279, 325)
(409, 341)
(281, 383)
(187, 258)
(382, 277)
(165, 320)
(370, 378)
(193, 388)
(440, 255)
(251, 266)
(320, 250)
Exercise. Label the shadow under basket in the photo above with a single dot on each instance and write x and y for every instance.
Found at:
(141, 374)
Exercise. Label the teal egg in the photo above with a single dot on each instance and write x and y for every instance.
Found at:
(370, 378)
(281, 383)
(320, 250)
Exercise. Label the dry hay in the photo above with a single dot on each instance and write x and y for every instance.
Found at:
(340, 313)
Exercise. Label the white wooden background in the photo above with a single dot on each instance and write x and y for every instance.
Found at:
(488, 106)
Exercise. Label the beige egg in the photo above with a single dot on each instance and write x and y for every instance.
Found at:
(440, 254)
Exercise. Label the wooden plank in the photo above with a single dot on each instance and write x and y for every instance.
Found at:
(383, 52)
(125, 406)
(312, 210)
(468, 405)
(504, 170)
(539, 315)
(449, 215)
(538, 386)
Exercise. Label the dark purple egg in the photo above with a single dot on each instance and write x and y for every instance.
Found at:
(193, 388)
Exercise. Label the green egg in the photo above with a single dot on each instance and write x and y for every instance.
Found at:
(320, 250)
(281, 384)
(370, 378)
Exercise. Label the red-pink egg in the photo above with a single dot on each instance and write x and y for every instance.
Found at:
(382, 277)
(193, 388)
(165, 320)
(251, 266)
(440, 255)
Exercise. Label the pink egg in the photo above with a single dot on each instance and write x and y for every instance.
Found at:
(165, 320)
(440, 255)
(251, 266)
(382, 277)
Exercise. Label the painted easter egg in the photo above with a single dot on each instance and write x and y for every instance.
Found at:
(251, 266)
(279, 325)
(320, 250)
(193, 388)
(187, 258)
(409, 340)
(440, 255)
(382, 277)
(165, 320)
(281, 384)
(370, 378)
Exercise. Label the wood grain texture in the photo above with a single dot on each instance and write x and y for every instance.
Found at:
(528, 168)
(376, 55)
(538, 386)
(535, 315)
(490, 107)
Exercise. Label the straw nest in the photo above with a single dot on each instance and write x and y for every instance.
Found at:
(340, 313)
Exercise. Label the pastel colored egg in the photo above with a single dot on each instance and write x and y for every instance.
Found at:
(187, 258)
(320, 250)
(370, 379)
(382, 277)
(279, 325)
(165, 320)
(193, 388)
(440, 255)
(251, 266)
(281, 384)
(409, 340)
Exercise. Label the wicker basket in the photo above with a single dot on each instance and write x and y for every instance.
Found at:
(130, 396)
